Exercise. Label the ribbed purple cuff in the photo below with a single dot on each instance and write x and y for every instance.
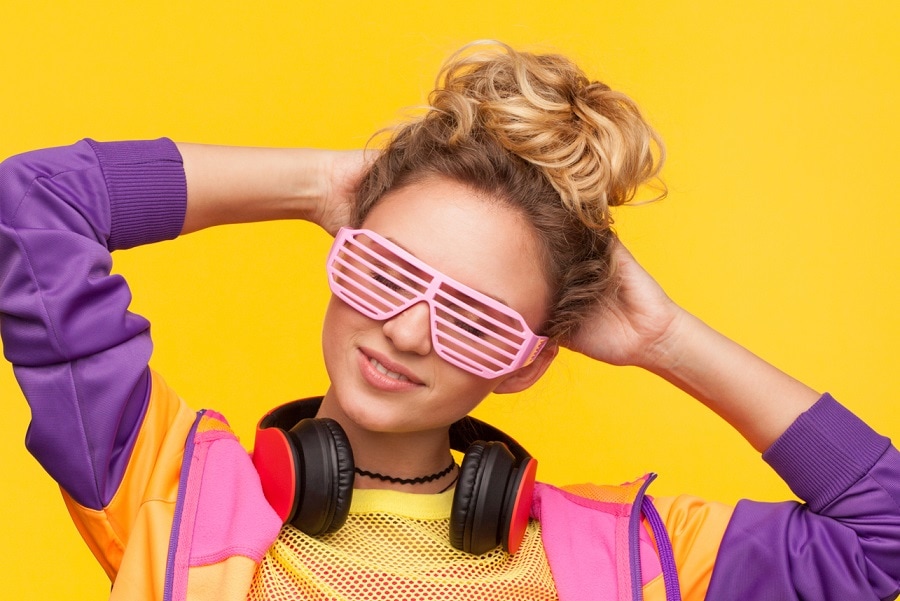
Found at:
(147, 190)
(825, 451)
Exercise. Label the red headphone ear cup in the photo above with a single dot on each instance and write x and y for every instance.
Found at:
(277, 463)
(325, 482)
(517, 505)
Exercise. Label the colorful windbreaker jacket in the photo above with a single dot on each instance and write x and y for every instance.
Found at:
(171, 506)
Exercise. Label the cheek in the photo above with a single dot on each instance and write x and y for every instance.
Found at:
(331, 324)
(467, 390)
(341, 316)
(341, 322)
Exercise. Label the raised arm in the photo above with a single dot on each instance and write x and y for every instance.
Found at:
(229, 184)
(647, 329)
(79, 355)
(844, 542)
(108, 430)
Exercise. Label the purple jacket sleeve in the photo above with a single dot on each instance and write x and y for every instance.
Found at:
(79, 355)
(844, 543)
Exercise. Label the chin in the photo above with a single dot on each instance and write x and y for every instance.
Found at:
(368, 412)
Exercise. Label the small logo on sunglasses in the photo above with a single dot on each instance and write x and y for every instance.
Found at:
(537, 349)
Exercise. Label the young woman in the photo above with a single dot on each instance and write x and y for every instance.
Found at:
(473, 246)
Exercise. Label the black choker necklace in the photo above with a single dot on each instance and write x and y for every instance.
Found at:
(419, 480)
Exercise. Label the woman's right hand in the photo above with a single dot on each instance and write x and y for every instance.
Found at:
(342, 171)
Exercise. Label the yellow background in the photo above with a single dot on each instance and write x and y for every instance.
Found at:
(780, 228)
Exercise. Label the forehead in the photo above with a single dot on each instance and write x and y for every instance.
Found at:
(478, 241)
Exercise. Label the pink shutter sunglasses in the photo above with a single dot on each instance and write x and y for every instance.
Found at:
(468, 329)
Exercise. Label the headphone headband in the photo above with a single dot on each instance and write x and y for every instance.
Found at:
(462, 433)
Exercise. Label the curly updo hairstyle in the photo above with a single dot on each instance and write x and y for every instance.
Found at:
(533, 132)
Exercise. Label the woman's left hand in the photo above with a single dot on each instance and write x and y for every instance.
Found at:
(645, 328)
(632, 328)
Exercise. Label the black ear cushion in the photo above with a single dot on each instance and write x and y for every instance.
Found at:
(322, 482)
(461, 511)
(345, 474)
(487, 505)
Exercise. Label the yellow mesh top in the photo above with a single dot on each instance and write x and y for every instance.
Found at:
(395, 546)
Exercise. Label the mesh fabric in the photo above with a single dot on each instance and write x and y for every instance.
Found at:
(395, 546)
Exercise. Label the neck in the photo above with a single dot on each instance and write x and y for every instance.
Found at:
(398, 454)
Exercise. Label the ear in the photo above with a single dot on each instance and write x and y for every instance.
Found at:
(524, 377)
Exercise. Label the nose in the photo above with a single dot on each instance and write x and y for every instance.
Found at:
(410, 331)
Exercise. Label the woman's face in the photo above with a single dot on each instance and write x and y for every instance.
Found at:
(481, 243)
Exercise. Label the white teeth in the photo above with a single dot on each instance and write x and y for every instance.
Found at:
(383, 370)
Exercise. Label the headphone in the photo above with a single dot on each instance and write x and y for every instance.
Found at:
(306, 466)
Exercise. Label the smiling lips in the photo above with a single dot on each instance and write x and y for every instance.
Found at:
(381, 373)
(385, 371)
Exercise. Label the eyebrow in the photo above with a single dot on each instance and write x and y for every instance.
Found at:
(496, 298)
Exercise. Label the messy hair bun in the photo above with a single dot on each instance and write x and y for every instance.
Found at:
(532, 131)
(589, 141)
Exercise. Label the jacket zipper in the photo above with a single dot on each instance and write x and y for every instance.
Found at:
(634, 540)
(666, 554)
(179, 507)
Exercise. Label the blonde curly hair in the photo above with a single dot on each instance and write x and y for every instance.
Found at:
(531, 131)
